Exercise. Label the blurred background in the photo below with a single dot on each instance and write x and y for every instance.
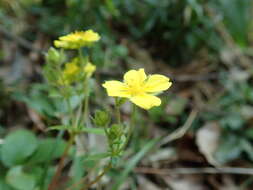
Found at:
(205, 47)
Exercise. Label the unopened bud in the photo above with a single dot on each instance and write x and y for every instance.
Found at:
(102, 118)
(116, 131)
(53, 56)
(120, 101)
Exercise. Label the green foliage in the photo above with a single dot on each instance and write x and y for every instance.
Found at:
(170, 32)
(229, 148)
(37, 98)
(52, 70)
(77, 130)
(26, 160)
(4, 185)
(237, 18)
(102, 118)
(20, 180)
(17, 147)
(184, 26)
(48, 149)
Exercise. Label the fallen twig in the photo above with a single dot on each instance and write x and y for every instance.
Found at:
(206, 170)
(181, 131)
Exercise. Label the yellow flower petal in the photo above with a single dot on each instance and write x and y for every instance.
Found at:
(157, 83)
(71, 69)
(77, 39)
(89, 69)
(116, 88)
(146, 101)
(134, 77)
(91, 36)
(60, 44)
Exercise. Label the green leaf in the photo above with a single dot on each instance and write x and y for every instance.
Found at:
(4, 185)
(247, 147)
(20, 180)
(48, 149)
(232, 122)
(229, 148)
(130, 165)
(96, 131)
(59, 127)
(17, 147)
(98, 156)
(249, 133)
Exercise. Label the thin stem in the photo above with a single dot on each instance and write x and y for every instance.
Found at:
(70, 111)
(86, 88)
(81, 56)
(132, 124)
(99, 176)
(117, 111)
(78, 117)
(86, 102)
(57, 174)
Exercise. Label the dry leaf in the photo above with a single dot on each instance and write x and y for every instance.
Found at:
(207, 140)
(185, 182)
(145, 184)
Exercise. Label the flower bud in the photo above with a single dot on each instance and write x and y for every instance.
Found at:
(120, 101)
(53, 56)
(116, 131)
(102, 118)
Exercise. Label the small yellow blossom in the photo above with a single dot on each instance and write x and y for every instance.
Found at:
(74, 71)
(77, 39)
(139, 88)
(70, 71)
(89, 69)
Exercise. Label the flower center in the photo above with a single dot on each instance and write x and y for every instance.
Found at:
(135, 90)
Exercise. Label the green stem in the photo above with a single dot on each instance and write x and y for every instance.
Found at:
(70, 110)
(80, 55)
(86, 88)
(131, 128)
(117, 107)
(86, 102)
(79, 114)
(84, 60)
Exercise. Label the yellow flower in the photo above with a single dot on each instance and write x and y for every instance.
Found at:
(77, 39)
(71, 70)
(89, 69)
(139, 88)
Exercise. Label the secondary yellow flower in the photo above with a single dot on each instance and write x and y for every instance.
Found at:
(77, 39)
(74, 71)
(139, 88)
(70, 72)
(89, 69)
(71, 68)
